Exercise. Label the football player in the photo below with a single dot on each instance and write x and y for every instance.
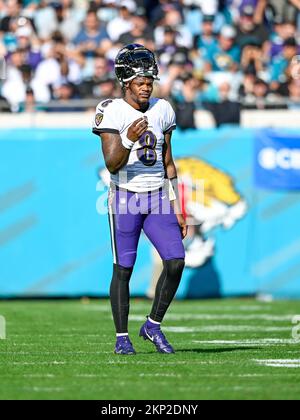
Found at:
(136, 135)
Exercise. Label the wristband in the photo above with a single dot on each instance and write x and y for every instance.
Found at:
(128, 144)
(173, 189)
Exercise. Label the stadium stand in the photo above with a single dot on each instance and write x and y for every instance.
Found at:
(218, 55)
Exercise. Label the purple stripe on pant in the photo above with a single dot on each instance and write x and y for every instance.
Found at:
(130, 213)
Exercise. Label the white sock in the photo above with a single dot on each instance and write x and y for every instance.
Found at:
(153, 322)
(122, 334)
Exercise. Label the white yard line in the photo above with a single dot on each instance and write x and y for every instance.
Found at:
(49, 353)
(216, 317)
(63, 344)
(118, 361)
(51, 376)
(63, 334)
(38, 389)
(102, 375)
(281, 363)
(249, 342)
(278, 360)
(35, 363)
(48, 376)
(158, 375)
(226, 328)
(176, 362)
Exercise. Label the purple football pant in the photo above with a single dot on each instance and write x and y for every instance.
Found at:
(130, 213)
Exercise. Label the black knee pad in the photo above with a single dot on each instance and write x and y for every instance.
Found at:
(122, 273)
(174, 267)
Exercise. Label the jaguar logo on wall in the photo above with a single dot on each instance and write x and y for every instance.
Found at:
(222, 205)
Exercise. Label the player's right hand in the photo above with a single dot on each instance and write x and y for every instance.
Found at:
(137, 128)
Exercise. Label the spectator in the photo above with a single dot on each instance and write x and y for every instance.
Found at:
(162, 9)
(106, 9)
(170, 47)
(179, 65)
(253, 61)
(246, 90)
(281, 32)
(59, 68)
(4, 105)
(262, 97)
(281, 63)
(29, 104)
(71, 19)
(123, 22)
(13, 10)
(64, 93)
(294, 94)
(185, 100)
(236, 8)
(93, 38)
(292, 72)
(45, 21)
(207, 7)
(106, 87)
(226, 110)
(285, 10)
(100, 71)
(62, 49)
(102, 84)
(18, 77)
(260, 93)
(172, 17)
(29, 45)
(207, 39)
(248, 31)
(225, 55)
(140, 30)
(59, 16)
(15, 87)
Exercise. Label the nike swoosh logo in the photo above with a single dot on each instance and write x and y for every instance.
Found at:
(150, 338)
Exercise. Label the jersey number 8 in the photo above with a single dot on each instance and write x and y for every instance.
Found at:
(147, 153)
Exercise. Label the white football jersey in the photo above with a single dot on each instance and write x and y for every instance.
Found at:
(145, 168)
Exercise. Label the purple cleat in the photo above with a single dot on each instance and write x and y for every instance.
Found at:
(153, 333)
(124, 346)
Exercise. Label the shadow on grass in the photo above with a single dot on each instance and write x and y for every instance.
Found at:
(203, 351)
(220, 350)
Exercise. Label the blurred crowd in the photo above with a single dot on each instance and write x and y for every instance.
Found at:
(220, 55)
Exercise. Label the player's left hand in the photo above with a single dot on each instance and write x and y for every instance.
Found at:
(182, 224)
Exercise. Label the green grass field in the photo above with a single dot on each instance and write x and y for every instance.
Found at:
(226, 349)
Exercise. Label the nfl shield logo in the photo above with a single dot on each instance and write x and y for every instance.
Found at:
(98, 119)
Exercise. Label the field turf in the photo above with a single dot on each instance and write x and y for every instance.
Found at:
(226, 349)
